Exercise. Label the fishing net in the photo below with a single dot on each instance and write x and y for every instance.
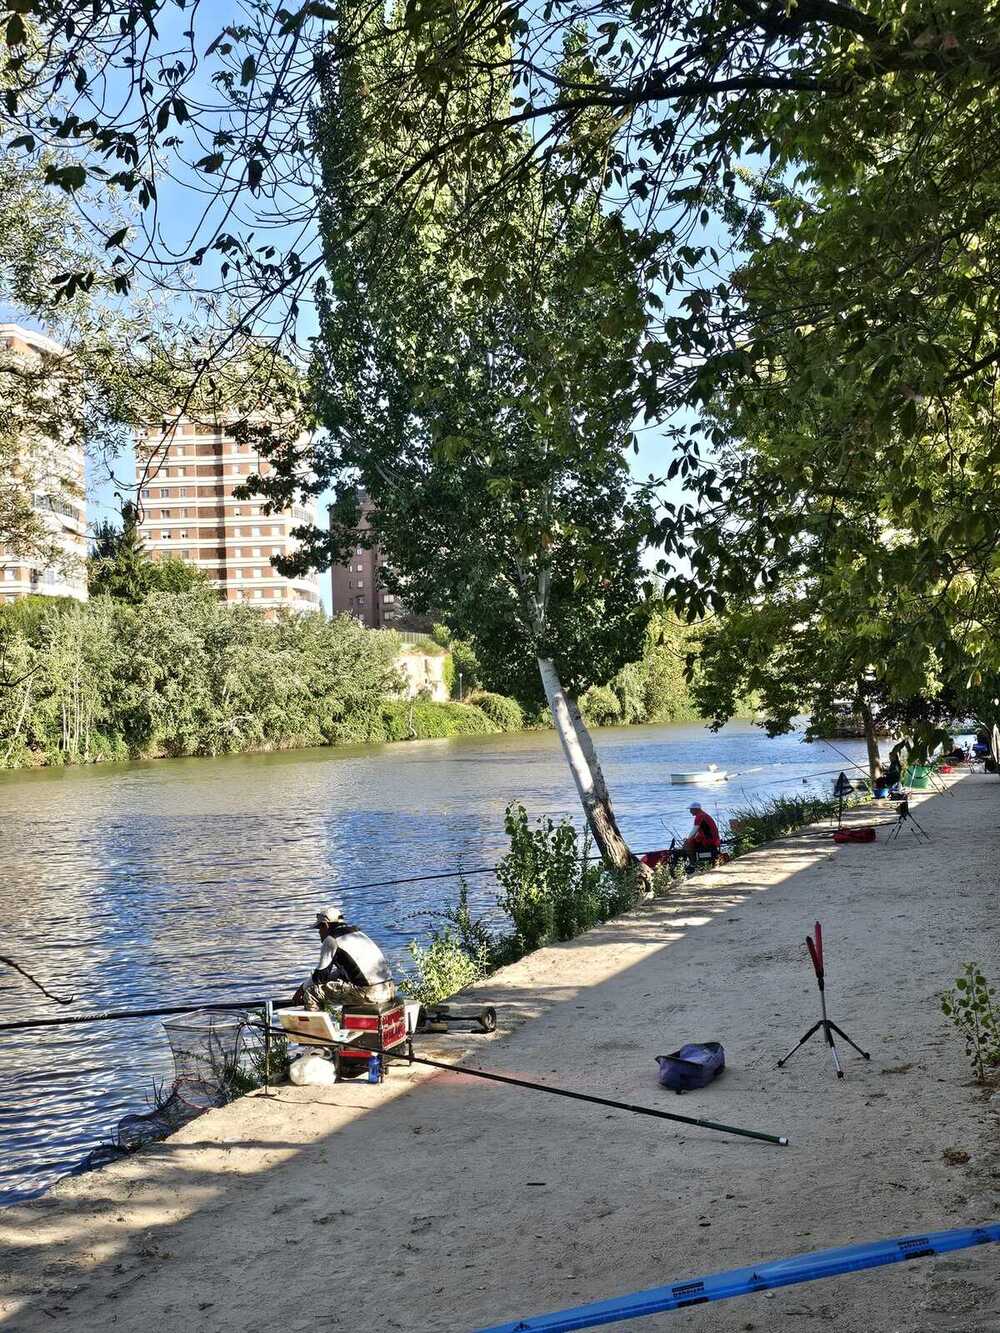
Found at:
(213, 1056)
(206, 1052)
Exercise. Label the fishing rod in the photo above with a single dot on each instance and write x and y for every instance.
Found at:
(411, 1059)
(854, 763)
(109, 1015)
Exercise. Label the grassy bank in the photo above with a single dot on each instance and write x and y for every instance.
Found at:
(552, 890)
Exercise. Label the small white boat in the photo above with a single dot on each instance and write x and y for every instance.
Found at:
(704, 777)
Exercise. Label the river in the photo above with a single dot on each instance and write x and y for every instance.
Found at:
(198, 879)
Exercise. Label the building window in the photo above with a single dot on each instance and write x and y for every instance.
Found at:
(257, 592)
(361, 569)
(183, 491)
(361, 583)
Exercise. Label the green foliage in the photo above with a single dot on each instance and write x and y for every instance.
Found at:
(762, 821)
(424, 720)
(552, 889)
(182, 673)
(601, 706)
(441, 635)
(652, 689)
(466, 665)
(459, 954)
(970, 1007)
(450, 676)
(500, 496)
(503, 712)
(120, 566)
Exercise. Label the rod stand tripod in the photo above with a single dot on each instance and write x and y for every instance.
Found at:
(825, 1024)
(905, 817)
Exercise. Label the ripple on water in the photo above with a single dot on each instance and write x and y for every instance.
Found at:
(146, 884)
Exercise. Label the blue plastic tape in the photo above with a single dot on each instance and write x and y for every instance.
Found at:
(743, 1281)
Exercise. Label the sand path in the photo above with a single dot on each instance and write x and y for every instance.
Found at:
(441, 1204)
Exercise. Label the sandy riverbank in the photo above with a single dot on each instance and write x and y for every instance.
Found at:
(440, 1204)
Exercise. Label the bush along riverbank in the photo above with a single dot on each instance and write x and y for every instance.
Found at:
(177, 674)
(551, 889)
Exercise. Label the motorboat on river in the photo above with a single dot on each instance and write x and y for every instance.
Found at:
(703, 777)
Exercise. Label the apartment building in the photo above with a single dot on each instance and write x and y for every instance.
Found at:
(189, 511)
(356, 588)
(50, 471)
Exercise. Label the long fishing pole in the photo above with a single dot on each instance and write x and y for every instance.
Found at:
(109, 1015)
(761, 1277)
(635, 1109)
(780, 1139)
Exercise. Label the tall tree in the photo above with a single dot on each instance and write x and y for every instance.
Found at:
(119, 565)
(489, 429)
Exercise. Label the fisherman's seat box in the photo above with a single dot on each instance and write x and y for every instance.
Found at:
(382, 1028)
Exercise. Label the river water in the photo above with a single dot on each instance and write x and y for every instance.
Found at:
(194, 880)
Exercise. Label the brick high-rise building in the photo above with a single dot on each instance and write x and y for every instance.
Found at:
(356, 587)
(51, 472)
(189, 511)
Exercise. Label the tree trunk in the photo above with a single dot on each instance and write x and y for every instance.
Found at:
(871, 740)
(578, 747)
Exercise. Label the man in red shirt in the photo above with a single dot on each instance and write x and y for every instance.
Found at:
(705, 834)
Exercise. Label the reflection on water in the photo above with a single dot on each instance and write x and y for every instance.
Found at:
(192, 880)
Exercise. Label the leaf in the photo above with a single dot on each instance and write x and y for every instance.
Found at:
(248, 70)
(116, 238)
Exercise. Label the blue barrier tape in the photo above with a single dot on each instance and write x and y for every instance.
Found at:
(743, 1281)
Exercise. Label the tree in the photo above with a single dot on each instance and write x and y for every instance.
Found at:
(488, 430)
(692, 88)
(120, 567)
(844, 519)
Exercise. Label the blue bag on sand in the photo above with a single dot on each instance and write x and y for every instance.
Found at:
(693, 1066)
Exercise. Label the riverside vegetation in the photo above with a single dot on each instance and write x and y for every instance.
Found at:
(552, 889)
(164, 669)
(185, 674)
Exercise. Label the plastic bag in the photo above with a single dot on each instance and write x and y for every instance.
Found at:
(312, 1071)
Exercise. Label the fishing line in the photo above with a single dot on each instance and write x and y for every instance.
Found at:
(411, 1059)
(762, 1277)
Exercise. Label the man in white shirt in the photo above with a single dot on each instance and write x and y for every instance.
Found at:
(352, 968)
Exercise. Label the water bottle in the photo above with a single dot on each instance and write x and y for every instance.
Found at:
(374, 1069)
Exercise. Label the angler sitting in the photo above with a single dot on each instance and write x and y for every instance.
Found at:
(352, 968)
(704, 837)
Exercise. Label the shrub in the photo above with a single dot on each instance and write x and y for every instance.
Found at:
(762, 821)
(970, 1008)
(629, 687)
(459, 954)
(504, 712)
(449, 673)
(441, 635)
(414, 720)
(551, 891)
(600, 706)
(466, 665)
